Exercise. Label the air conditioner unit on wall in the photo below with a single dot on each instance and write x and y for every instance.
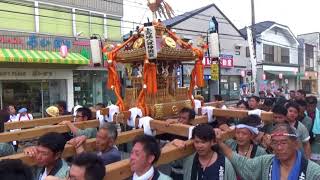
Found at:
(237, 46)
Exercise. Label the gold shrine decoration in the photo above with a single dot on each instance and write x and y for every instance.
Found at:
(170, 42)
(138, 43)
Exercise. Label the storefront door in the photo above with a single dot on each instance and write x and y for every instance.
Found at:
(230, 87)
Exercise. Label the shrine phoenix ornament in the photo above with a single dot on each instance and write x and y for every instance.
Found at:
(160, 8)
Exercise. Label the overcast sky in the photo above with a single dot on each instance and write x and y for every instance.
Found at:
(302, 16)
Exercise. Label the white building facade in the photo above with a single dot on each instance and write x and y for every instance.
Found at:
(195, 24)
(309, 57)
(277, 57)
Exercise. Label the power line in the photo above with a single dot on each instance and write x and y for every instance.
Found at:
(32, 14)
(93, 23)
(51, 17)
(80, 13)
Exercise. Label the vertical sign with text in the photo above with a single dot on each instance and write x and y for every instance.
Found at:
(215, 72)
(150, 42)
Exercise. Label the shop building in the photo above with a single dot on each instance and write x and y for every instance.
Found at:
(195, 25)
(277, 56)
(309, 57)
(32, 72)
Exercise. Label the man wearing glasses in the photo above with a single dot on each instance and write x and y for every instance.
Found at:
(286, 163)
(82, 114)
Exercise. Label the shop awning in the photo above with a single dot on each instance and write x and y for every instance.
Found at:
(46, 57)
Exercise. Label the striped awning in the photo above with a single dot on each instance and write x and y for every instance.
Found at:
(46, 57)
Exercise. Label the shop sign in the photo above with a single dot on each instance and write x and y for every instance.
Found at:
(215, 72)
(12, 73)
(226, 61)
(207, 61)
(39, 73)
(81, 43)
(9, 40)
(34, 42)
(150, 39)
(34, 74)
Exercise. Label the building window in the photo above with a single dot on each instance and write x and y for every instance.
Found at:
(83, 23)
(247, 52)
(309, 56)
(97, 26)
(55, 20)
(268, 53)
(114, 29)
(16, 16)
(285, 55)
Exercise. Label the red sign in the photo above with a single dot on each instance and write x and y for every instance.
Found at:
(7, 40)
(207, 61)
(226, 61)
(81, 43)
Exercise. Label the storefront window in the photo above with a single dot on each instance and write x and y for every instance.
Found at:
(36, 96)
(230, 87)
(90, 88)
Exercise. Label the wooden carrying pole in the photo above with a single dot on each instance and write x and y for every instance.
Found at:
(19, 135)
(120, 118)
(69, 150)
(36, 122)
(45, 121)
(121, 169)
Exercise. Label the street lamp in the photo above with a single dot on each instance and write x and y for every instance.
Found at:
(96, 46)
(214, 45)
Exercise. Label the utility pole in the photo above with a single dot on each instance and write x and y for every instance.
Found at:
(253, 22)
(254, 84)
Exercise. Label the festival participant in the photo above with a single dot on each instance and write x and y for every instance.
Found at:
(314, 114)
(207, 162)
(13, 113)
(243, 105)
(267, 105)
(99, 116)
(292, 95)
(303, 117)
(300, 95)
(279, 116)
(186, 115)
(82, 114)
(301, 130)
(254, 102)
(23, 115)
(269, 93)
(52, 111)
(218, 98)
(47, 155)
(5, 148)
(286, 163)
(245, 133)
(105, 144)
(145, 153)
(62, 106)
(87, 166)
(14, 169)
